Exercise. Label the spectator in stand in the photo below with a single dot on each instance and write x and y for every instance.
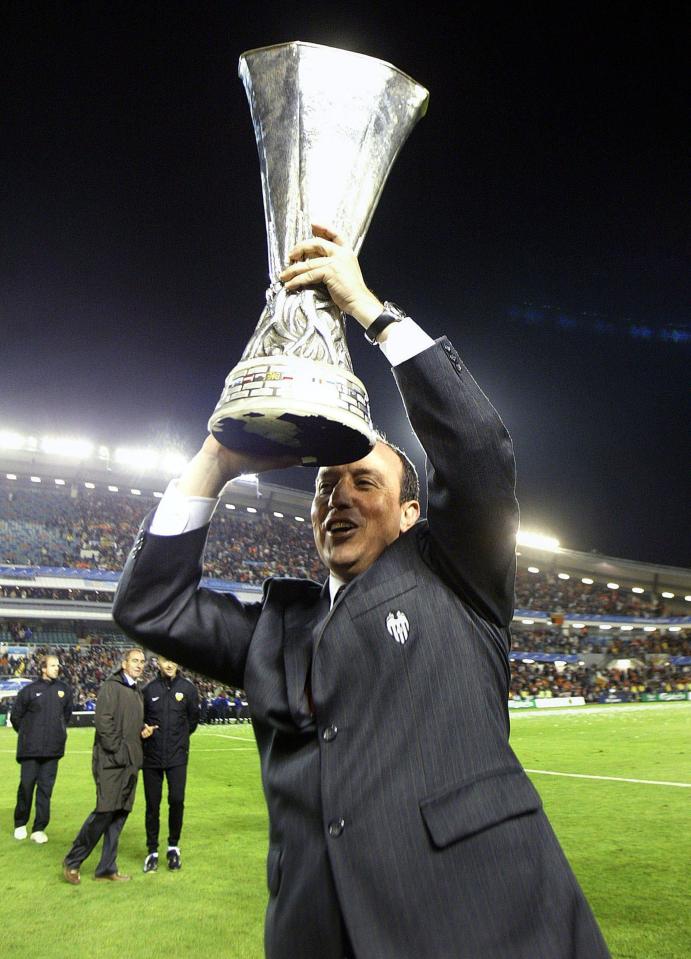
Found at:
(40, 715)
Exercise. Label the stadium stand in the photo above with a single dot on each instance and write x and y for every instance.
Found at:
(576, 633)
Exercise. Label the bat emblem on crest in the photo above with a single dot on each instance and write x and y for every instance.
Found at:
(398, 626)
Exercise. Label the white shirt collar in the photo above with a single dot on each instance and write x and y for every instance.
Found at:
(334, 585)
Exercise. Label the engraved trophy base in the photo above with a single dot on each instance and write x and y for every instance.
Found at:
(274, 404)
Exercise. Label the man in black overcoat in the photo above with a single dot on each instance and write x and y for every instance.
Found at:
(402, 825)
(115, 762)
(40, 714)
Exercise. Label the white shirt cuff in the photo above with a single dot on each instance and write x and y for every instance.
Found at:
(405, 340)
(178, 513)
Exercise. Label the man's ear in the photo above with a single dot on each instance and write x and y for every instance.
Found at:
(410, 514)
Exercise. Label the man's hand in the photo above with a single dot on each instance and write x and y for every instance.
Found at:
(327, 259)
(148, 731)
(214, 465)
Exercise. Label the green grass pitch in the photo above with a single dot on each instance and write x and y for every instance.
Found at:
(628, 843)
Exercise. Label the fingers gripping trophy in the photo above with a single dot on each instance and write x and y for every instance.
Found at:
(329, 125)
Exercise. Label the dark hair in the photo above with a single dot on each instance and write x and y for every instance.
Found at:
(410, 484)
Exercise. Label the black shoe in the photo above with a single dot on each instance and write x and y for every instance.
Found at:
(151, 862)
(173, 859)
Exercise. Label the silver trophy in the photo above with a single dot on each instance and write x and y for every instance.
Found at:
(329, 125)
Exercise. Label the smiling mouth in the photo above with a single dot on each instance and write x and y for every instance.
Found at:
(340, 529)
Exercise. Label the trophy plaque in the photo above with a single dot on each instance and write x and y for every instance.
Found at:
(329, 125)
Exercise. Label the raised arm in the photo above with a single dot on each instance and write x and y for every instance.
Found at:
(472, 508)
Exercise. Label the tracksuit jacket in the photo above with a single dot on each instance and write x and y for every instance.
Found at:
(40, 715)
(173, 706)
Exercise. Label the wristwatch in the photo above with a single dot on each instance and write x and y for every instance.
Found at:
(391, 314)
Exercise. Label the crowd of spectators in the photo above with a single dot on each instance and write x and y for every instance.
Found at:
(553, 639)
(548, 593)
(81, 529)
(88, 531)
(551, 680)
(86, 666)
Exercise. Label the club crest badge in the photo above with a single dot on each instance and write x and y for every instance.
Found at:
(61, 693)
(398, 626)
(179, 696)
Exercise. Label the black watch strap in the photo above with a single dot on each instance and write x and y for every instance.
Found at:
(391, 314)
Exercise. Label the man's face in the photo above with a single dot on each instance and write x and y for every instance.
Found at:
(357, 512)
(134, 664)
(167, 667)
(51, 669)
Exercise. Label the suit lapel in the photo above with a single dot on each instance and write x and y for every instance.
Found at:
(300, 623)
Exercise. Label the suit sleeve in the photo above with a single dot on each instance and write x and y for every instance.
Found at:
(160, 604)
(107, 726)
(472, 509)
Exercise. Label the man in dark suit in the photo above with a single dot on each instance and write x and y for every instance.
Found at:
(116, 761)
(396, 831)
(40, 715)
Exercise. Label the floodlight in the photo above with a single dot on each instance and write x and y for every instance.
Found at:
(280, 516)
(563, 576)
(587, 580)
(59, 482)
(143, 459)
(626, 629)
(299, 519)
(90, 485)
(668, 595)
(649, 629)
(528, 622)
(688, 598)
(11, 441)
(114, 489)
(35, 479)
(67, 446)
(578, 625)
(605, 626)
(11, 476)
(533, 569)
(136, 492)
(612, 585)
(637, 589)
(674, 629)
(173, 462)
(537, 540)
(251, 509)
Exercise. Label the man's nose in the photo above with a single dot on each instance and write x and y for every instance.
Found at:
(341, 494)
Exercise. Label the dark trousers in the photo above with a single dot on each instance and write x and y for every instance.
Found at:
(97, 824)
(153, 791)
(39, 774)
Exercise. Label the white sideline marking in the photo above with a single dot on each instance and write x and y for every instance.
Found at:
(615, 779)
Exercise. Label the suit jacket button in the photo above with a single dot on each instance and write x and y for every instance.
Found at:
(336, 827)
(330, 733)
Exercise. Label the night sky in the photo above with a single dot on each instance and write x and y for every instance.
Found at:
(536, 216)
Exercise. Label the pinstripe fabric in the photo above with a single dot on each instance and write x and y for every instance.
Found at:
(398, 808)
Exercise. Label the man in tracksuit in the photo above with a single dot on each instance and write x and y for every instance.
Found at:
(171, 705)
(40, 715)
